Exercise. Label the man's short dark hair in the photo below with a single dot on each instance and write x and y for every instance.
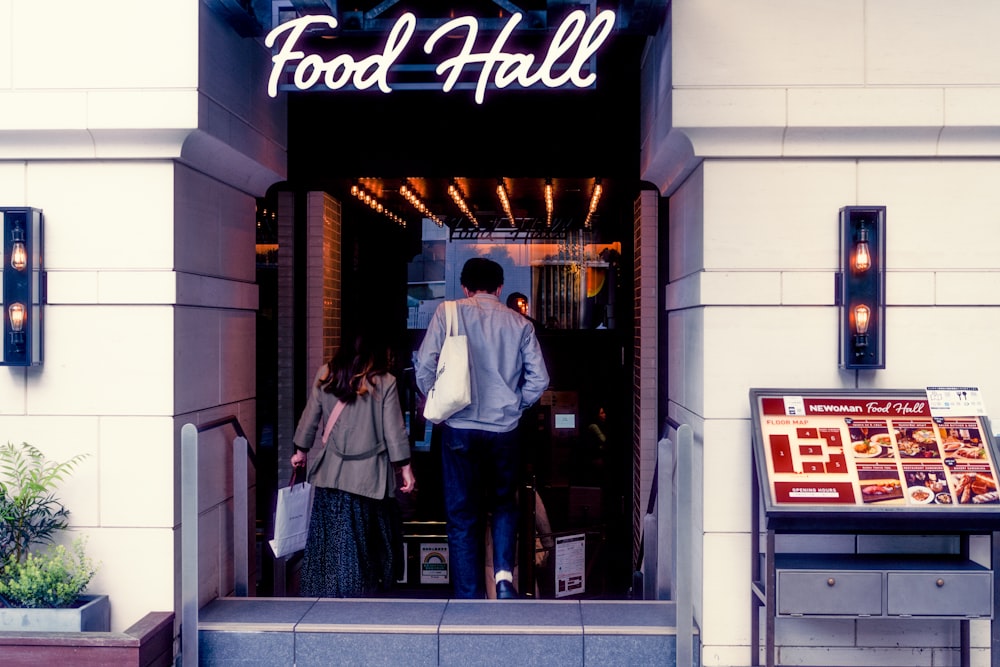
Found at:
(482, 275)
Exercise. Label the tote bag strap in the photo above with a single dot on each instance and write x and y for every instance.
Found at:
(451, 318)
(337, 409)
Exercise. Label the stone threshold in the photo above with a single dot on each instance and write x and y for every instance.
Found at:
(321, 631)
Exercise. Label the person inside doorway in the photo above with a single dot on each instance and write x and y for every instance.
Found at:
(354, 533)
(519, 302)
(479, 453)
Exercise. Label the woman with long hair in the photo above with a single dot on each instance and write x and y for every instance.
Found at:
(354, 531)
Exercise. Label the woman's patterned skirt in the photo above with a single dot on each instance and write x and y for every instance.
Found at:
(352, 546)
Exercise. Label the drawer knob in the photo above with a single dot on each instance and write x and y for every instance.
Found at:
(939, 582)
(831, 581)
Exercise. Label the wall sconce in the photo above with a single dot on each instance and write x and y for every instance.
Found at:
(861, 287)
(23, 287)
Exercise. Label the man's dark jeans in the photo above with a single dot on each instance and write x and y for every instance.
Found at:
(480, 477)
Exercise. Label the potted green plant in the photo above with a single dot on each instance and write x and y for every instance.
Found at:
(42, 591)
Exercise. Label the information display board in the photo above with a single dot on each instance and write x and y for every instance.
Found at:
(872, 458)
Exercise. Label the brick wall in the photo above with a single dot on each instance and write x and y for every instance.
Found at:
(322, 285)
(644, 369)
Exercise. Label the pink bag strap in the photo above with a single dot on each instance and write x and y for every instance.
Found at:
(337, 409)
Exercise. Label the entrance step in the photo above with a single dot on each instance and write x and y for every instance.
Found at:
(311, 631)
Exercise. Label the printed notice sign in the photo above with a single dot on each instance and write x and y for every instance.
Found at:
(434, 563)
(877, 449)
(570, 565)
(955, 401)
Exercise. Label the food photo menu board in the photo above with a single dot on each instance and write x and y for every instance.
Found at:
(881, 454)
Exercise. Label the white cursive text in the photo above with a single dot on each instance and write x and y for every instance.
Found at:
(500, 67)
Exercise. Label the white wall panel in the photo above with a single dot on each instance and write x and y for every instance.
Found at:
(686, 359)
(131, 448)
(686, 245)
(12, 183)
(238, 354)
(13, 392)
(768, 42)
(967, 288)
(730, 107)
(72, 287)
(215, 228)
(775, 214)
(972, 105)
(727, 459)
(130, 287)
(6, 30)
(765, 347)
(728, 288)
(43, 110)
(136, 109)
(910, 288)
(807, 288)
(939, 213)
(60, 439)
(197, 336)
(725, 620)
(865, 107)
(113, 44)
(193, 290)
(107, 215)
(931, 42)
(105, 360)
(137, 570)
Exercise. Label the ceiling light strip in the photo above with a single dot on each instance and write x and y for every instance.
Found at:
(505, 201)
(595, 199)
(415, 201)
(549, 205)
(372, 201)
(456, 195)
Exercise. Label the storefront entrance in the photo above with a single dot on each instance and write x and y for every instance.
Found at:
(386, 169)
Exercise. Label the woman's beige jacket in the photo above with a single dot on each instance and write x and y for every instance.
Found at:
(368, 435)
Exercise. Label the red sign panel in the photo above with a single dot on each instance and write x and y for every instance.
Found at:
(878, 450)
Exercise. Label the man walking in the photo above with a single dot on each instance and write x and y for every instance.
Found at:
(479, 453)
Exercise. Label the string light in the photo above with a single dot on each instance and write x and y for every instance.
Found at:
(418, 204)
(548, 202)
(595, 199)
(505, 201)
(459, 200)
(372, 201)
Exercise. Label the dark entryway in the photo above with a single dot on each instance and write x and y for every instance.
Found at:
(428, 140)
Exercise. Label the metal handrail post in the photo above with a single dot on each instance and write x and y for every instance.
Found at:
(649, 557)
(241, 518)
(665, 505)
(189, 545)
(685, 536)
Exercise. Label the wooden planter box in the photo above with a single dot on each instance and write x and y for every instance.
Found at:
(93, 615)
(148, 643)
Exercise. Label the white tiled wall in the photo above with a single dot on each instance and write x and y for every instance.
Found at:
(780, 113)
(143, 140)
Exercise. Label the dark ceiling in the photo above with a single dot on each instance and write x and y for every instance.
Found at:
(638, 16)
(429, 140)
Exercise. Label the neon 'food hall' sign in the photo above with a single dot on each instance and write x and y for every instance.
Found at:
(574, 42)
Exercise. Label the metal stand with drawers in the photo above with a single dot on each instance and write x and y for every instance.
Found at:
(812, 480)
(949, 586)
